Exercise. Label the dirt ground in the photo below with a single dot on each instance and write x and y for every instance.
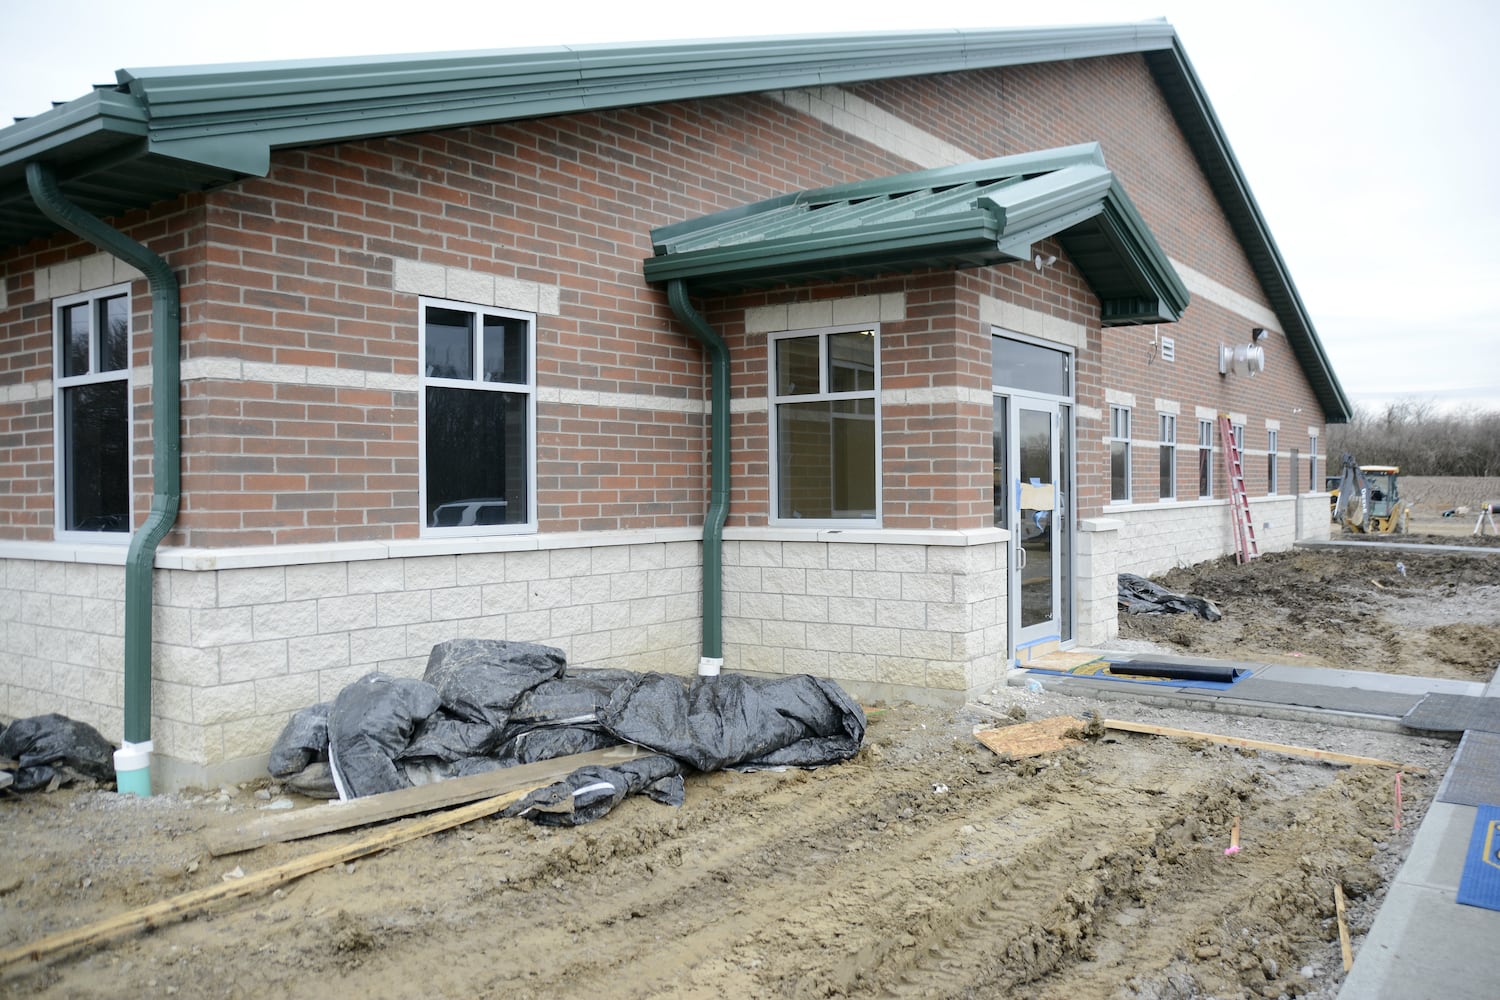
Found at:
(925, 867)
(1430, 614)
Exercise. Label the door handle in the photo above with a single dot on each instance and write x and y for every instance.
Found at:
(1020, 557)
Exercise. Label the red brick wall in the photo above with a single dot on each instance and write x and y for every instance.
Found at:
(295, 269)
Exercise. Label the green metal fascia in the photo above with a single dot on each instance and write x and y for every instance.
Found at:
(1018, 165)
(236, 154)
(1043, 199)
(1134, 237)
(718, 459)
(909, 240)
(334, 100)
(93, 118)
(166, 469)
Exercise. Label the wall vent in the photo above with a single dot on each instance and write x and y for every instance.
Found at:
(1168, 349)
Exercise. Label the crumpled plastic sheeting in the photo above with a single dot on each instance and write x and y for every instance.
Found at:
(738, 721)
(485, 704)
(510, 701)
(371, 722)
(463, 671)
(48, 747)
(590, 792)
(303, 740)
(1139, 596)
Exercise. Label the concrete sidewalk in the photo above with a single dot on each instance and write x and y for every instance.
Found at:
(1423, 944)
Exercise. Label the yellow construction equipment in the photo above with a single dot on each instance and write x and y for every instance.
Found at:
(1368, 499)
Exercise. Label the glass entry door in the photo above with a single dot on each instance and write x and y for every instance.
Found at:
(1030, 502)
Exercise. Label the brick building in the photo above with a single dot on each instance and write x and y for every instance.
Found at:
(873, 357)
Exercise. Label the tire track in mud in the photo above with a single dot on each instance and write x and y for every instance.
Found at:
(925, 867)
(914, 894)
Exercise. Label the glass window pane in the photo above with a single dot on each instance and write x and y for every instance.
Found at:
(1119, 470)
(75, 339)
(1028, 366)
(505, 350)
(851, 362)
(114, 335)
(96, 457)
(476, 453)
(450, 343)
(826, 456)
(797, 366)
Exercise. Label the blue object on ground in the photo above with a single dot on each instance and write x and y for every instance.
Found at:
(1480, 885)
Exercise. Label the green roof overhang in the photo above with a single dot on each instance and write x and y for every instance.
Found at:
(974, 215)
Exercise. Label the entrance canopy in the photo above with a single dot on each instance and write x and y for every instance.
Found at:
(974, 215)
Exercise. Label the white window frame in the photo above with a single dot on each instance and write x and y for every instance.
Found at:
(1167, 435)
(774, 516)
(1119, 431)
(61, 382)
(1205, 459)
(477, 384)
(1313, 486)
(1272, 480)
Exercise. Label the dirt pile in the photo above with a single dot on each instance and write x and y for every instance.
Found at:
(1432, 614)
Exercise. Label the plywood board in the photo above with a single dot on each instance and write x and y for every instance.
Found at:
(278, 828)
(1031, 739)
(1063, 661)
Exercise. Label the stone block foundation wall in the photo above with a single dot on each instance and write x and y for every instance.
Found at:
(1154, 538)
(913, 615)
(243, 639)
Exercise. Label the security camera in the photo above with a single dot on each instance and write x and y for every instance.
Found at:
(1259, 333)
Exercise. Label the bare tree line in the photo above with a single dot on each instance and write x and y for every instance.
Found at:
(1420, 438)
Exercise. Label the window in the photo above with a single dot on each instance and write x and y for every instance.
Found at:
(478, 418)
(1168, 456)
(1271, 483)
(1119, 453)
(824, 390)
(1205, 459)
(92, 403)
(1312, 463)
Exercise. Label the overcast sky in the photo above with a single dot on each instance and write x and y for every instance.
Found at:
(1365, 128)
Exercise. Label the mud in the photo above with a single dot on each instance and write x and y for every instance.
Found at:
(925, 867)
(1390, 610)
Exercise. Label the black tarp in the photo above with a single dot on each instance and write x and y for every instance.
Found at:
(1139, 596)
(55, 747)
(483, 704)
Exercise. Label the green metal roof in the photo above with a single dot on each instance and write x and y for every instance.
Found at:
(973, 215)
(163, 132)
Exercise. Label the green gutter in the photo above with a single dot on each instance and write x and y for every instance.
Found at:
(133, 761)
(718, 494)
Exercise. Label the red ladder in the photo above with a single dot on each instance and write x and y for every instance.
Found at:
(1239, 504)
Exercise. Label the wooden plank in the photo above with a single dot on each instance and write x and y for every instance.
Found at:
(275, 828)
(1031, 739)
(1341, 911)
(1237, 741)
(1063, 661)
(156, 914)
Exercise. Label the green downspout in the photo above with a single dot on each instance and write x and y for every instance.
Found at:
(718, 493)
(133, 761)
